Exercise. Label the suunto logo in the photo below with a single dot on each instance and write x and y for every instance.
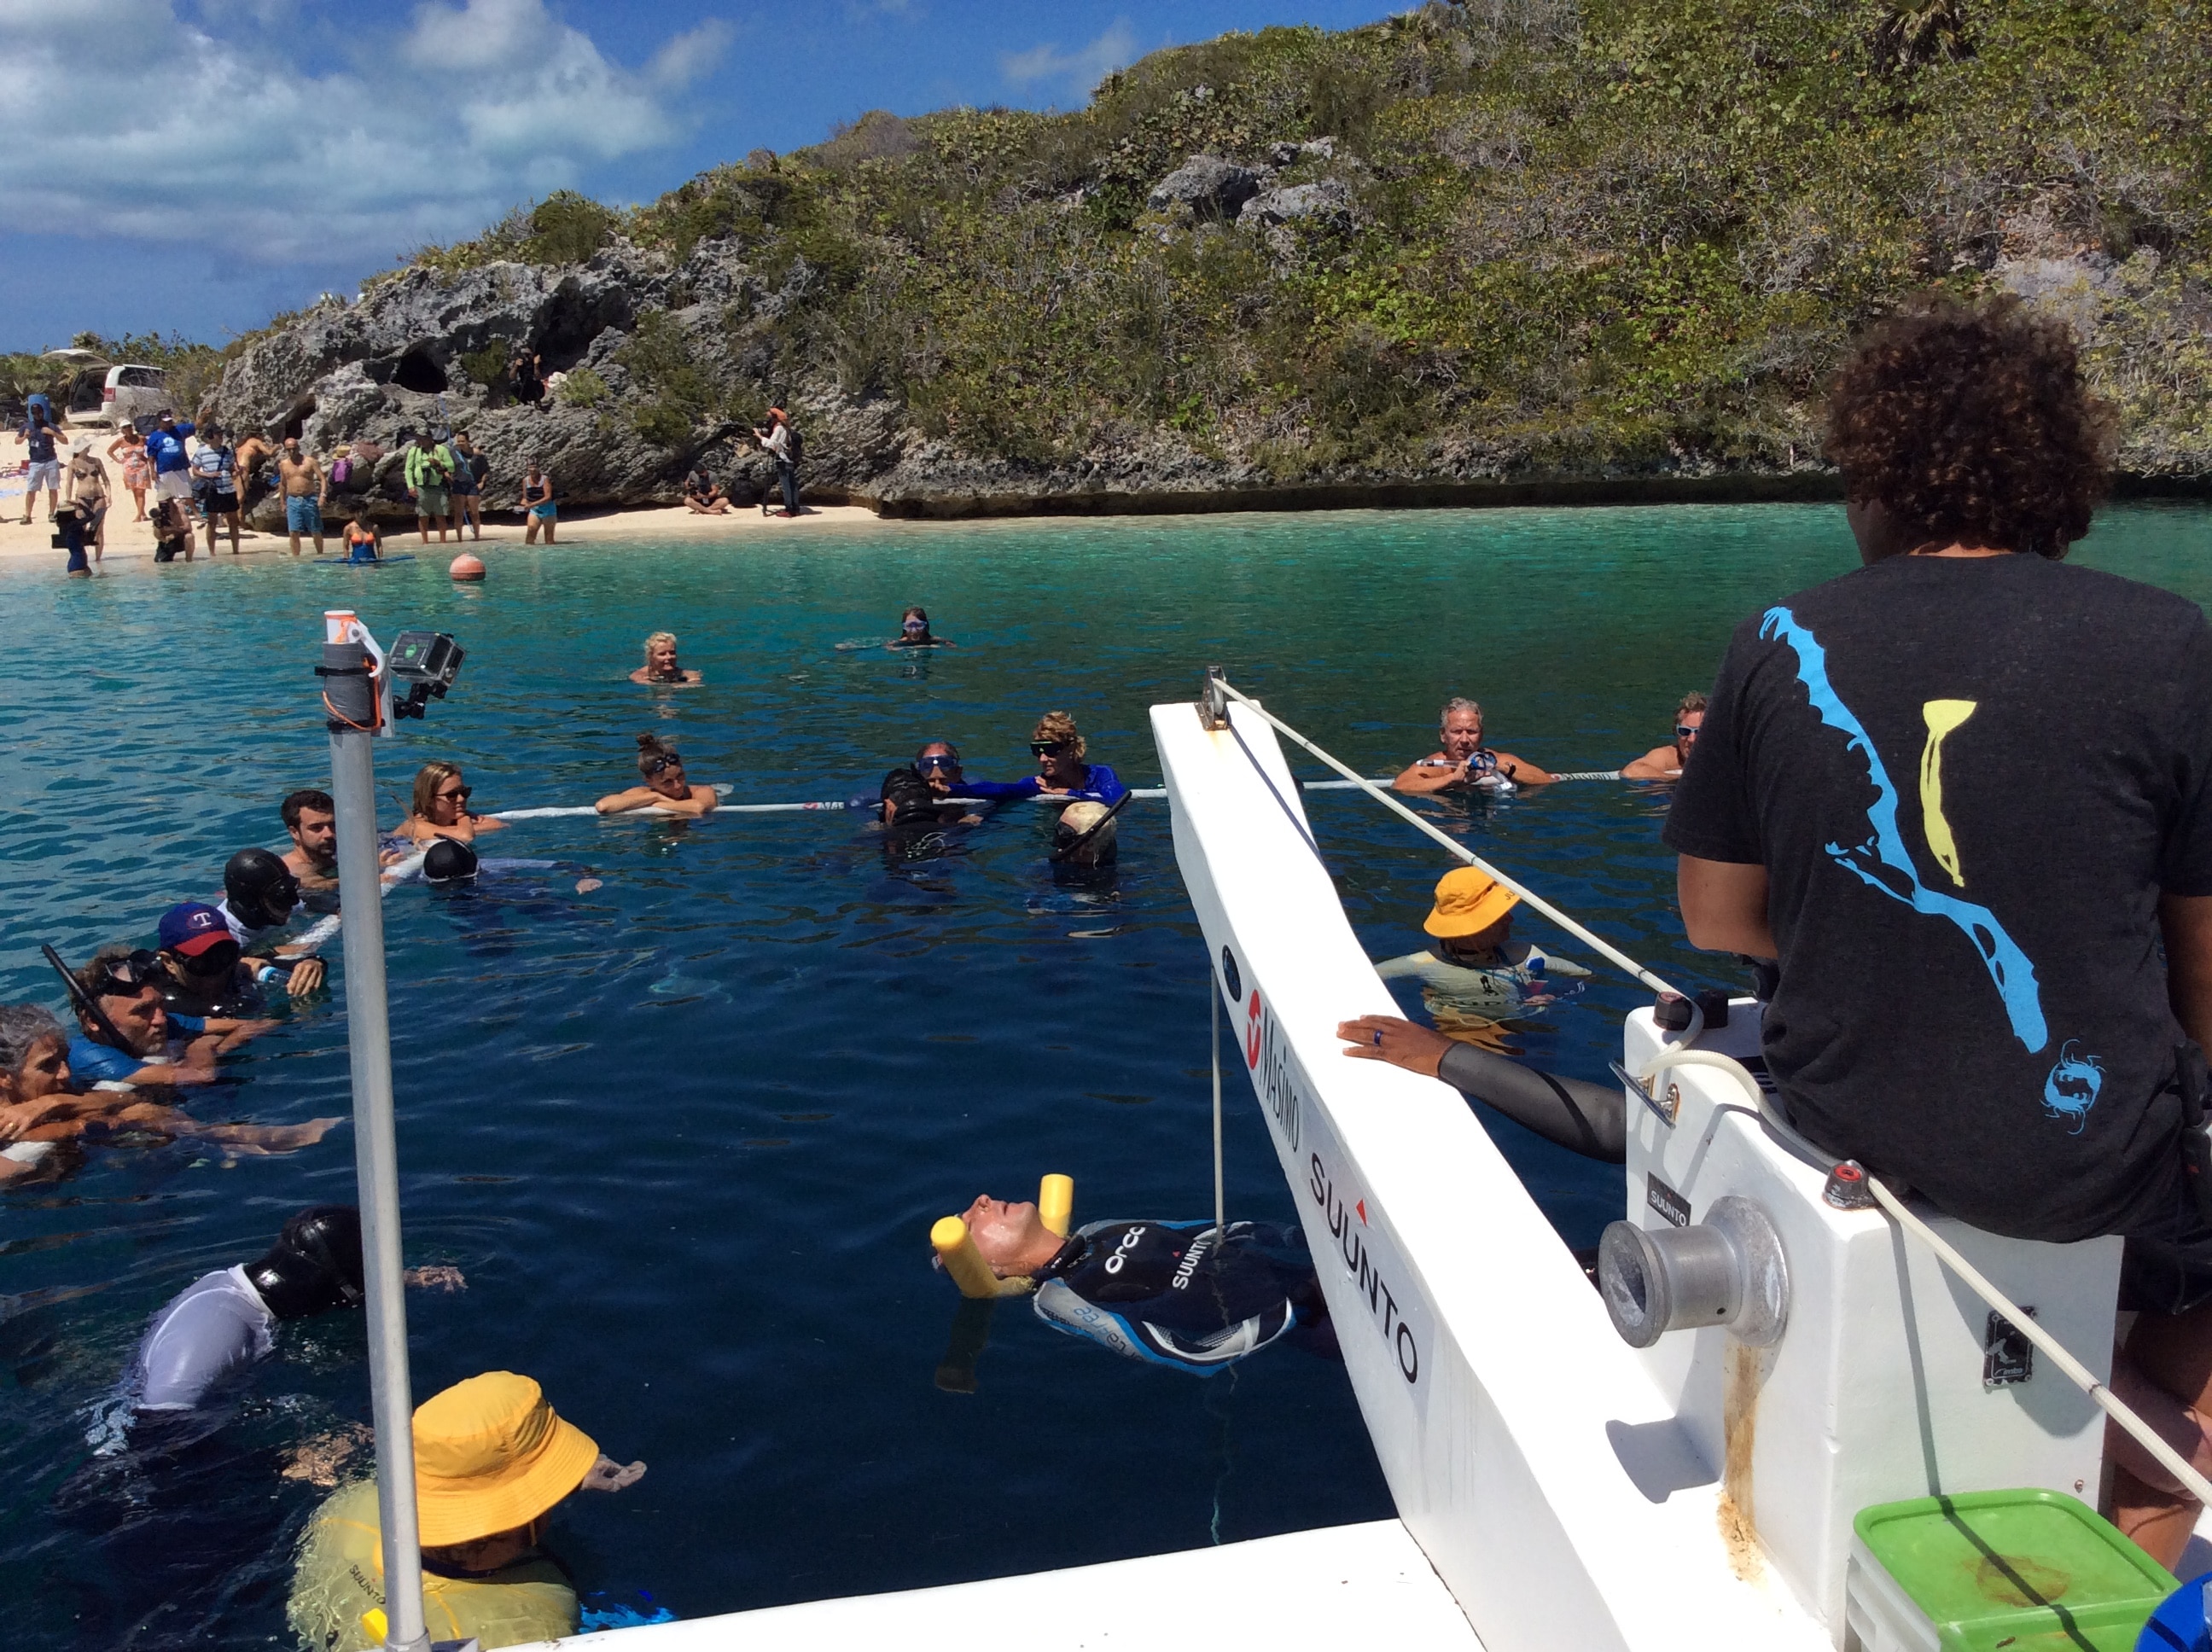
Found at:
(1346, 1224)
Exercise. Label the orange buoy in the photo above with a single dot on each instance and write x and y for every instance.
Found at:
(467, 566)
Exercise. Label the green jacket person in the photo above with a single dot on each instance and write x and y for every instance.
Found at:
(491, 1461)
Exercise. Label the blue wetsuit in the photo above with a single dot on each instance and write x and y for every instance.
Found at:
(1102, 784)
(91, 1062)
(1171, 1294)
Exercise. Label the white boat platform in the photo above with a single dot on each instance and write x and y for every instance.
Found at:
(1336, 1587)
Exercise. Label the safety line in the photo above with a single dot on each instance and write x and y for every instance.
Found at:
(1537, 902)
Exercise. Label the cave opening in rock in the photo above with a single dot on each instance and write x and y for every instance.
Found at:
(571, 322)
(296, 422)
(418, 371)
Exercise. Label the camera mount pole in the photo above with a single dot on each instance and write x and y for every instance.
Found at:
(350, 696)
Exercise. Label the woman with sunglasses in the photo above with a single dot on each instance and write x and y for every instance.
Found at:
(441, 800)
(1667, 762)
(1061, 771)
(664, 789)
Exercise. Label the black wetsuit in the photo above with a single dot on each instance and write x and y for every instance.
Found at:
(1172, 1294)
(1589, 1119)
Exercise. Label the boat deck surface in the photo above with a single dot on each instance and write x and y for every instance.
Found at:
(1337, 1586)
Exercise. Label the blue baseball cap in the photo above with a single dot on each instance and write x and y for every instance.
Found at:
(189, 929)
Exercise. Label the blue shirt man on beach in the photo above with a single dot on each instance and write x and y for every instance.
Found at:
(165, 447)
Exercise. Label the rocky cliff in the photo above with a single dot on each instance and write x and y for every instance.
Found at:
(1527, 247)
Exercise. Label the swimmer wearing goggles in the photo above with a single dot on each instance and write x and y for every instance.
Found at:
(1461, 759)
(665, 789)
(914, 632)
(908, 794)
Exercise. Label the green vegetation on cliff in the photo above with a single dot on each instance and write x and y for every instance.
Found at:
(1619, 233)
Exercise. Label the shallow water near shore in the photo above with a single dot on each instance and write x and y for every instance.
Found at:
(684, 1134)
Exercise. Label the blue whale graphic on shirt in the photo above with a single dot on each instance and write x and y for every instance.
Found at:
(1883, 863)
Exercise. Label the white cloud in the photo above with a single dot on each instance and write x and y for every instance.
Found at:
(1078, 70)
(171, 131)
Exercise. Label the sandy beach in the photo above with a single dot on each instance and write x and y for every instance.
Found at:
(130, 542)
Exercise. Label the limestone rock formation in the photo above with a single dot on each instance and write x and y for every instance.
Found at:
(1211, 188)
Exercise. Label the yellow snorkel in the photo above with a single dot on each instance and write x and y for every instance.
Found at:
(957, 1250)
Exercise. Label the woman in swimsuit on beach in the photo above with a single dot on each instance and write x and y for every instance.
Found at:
(441, 799)
(130, 449)
(538, 508)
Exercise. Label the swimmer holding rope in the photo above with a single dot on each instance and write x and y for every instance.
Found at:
(1667, 762)
(665, 788)
(440, 799)
(910, 793)
(1461, 759)
(660, 669)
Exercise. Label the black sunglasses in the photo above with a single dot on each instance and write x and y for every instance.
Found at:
(923, 765)
(665, 760)
(459, 794)
(1049, 748)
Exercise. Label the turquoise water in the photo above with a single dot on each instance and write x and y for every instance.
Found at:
(684, 1134)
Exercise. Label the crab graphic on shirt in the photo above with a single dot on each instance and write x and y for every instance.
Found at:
(2071, 1089)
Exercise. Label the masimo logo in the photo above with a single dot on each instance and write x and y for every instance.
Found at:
(1252, 1018)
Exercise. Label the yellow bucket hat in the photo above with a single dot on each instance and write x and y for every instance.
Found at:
(1467, 902)
(491, 1456)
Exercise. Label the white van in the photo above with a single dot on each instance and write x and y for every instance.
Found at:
(101, 392)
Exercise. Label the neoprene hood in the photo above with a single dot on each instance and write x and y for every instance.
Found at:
(314, 1265)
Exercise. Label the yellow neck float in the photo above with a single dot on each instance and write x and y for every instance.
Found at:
(956, 1247)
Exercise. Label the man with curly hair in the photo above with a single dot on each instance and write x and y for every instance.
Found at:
(1963, 796)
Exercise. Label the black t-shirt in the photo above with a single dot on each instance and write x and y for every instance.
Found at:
(1969, 780)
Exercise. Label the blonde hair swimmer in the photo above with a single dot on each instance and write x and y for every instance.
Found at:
(1462, 760)
(441, 808)
(661, 666)
(1665, 762)
(1476, 965)
(665, 788)
(1087, 835)
(492, 1459)
(1178, 1294)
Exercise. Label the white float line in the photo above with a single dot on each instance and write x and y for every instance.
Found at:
(1459, 850)
(2114, 1407)
(832, 805)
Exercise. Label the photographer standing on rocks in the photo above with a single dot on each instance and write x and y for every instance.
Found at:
(786, 443)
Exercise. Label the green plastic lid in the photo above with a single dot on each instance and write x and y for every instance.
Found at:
(2016, 1570)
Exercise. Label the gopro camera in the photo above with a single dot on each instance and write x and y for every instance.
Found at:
(427, 662)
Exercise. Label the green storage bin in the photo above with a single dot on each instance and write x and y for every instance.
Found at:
(1998, 1571)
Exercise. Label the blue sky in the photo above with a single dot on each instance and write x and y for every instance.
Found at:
(196, 166)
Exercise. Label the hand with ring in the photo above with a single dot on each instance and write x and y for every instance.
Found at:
(1390, 1038)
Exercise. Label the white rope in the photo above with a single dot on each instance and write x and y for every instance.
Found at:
(2145, 1435)
(1221, 1203)
(1604, 948)
(1590, 774)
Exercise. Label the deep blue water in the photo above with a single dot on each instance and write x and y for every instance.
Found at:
(685, 1135)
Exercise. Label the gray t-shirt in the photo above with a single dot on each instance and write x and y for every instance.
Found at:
(213, 1328)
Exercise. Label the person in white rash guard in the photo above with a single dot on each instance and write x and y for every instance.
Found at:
(225, 1322)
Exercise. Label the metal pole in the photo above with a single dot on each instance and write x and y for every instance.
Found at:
(352, 698)
(1220, 1203)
